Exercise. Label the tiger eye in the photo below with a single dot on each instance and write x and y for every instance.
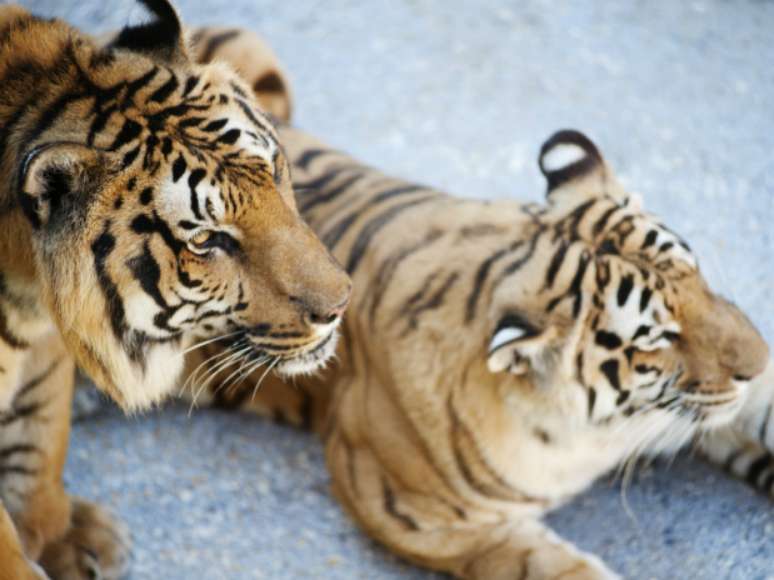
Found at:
(201, 239)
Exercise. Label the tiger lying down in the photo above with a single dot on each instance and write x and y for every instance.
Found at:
(499, 357)
(145, 204)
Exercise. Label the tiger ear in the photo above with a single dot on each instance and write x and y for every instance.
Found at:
(56, 177)
(517, 346)
(162, 38)
(252, 59)
(573, 166)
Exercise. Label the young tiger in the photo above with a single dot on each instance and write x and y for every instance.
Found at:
(145, 203)
(499, 357)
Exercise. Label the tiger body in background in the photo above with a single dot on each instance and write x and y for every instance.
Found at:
(145, 204)
(499, 357)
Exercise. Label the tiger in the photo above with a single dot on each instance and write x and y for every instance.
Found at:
(498, 357)
(146, 208)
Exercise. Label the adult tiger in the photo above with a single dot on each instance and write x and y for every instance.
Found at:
(145, 203)
(499, 357)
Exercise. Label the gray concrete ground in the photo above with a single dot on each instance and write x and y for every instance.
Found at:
(461, 94)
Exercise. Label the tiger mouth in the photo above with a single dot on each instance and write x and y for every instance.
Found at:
(308, 360)
(288, 351)
(242, 355)
(719, 408)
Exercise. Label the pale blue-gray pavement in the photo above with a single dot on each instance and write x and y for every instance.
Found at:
(679, 95)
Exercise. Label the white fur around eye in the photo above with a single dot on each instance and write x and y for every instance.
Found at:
(561, 156)
(503, 353)
(645, 346)
(504, 336)
(654, 340)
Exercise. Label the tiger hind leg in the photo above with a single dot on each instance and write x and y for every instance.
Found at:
(70, 538)
(416, 513)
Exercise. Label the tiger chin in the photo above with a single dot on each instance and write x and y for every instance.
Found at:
(498, 357)
(146, 208)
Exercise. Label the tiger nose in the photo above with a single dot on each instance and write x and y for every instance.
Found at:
(318, 314)
(328, 317)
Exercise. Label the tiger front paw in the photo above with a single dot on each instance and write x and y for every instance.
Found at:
(96, 547)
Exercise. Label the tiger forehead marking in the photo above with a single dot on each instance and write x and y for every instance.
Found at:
(201, 131)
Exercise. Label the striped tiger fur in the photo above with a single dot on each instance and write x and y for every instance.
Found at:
(145, 205)
(498, 357)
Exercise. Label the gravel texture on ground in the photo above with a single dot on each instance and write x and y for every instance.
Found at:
(461, 94)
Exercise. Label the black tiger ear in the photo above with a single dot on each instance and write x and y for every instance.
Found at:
(161, 38)
(568, 155)
(575, 170)
(54, 178)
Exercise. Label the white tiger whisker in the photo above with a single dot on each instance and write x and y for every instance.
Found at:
(210, 341)
(236, 357)
(241, 372)
(213, 372)
(248, 371)
(238, 370)
(191, 377)
(272, 364)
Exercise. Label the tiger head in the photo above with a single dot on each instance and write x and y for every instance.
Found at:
(614, 303)
(162, 215)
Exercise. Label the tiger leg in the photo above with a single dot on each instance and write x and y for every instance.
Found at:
(741, 456)
(14, 565)
(97, 545)
(416, 513)
(746, 447)
(70, 538)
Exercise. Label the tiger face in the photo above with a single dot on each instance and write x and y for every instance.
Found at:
(618, 309)
(163, 216)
